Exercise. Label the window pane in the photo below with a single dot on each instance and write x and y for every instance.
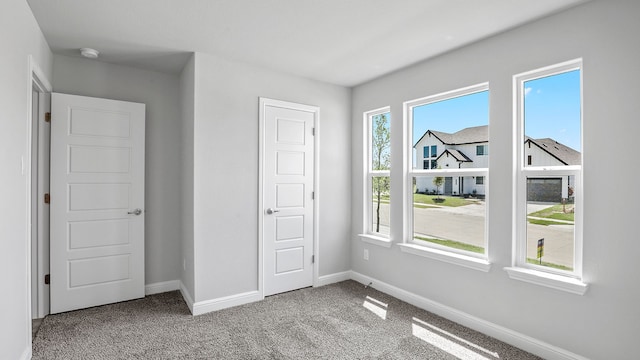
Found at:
(380, 205)
(552, 120)
(550, 221)
(442, 218)
(381, 142)
(425, 152)
(457, 125)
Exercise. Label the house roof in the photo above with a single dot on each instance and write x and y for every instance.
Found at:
(470, 135)
(563, 153)
(457, 154)
(480, 134)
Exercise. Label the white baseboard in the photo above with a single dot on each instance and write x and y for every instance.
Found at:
(186, 296)
(203, 307)
(26, 355)
(160, 287)
(333, 278)
(524, 342)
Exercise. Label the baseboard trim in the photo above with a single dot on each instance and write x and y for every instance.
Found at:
(160, 287)
(186, 296)
(501, 333)
(26, 355)
(203, 307)
(333, 278)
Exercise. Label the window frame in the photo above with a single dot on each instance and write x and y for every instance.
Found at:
(570, 281)
(368, 235)
(421, 248)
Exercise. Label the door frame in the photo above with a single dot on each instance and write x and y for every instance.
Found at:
(264, 102)
(36, 80)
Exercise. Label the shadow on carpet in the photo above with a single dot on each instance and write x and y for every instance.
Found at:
(338, 321)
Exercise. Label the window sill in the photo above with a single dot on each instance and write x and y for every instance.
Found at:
(375, 240)
(449, 257)
(553, 281)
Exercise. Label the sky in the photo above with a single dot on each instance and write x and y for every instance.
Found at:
(551, 106)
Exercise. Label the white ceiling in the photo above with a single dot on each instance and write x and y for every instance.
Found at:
(344, 42)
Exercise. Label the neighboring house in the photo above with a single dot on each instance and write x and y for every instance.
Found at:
(469, 148)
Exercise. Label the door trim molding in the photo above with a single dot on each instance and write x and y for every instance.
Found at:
(36, 78)
(264, 102)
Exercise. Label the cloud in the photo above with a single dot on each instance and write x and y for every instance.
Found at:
(527, 91)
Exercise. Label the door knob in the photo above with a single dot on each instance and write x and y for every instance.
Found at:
(271, 211)
(135, 212)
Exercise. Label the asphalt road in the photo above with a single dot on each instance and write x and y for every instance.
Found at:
(466, 224)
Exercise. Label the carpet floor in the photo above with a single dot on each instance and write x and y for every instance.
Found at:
(338, 321)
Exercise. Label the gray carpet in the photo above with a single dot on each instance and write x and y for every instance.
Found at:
(339, 321)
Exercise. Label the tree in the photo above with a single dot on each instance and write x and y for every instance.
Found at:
(438, 181)
(381, 159)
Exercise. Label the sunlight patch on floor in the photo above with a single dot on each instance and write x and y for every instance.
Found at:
(450, 343)
(376, 306)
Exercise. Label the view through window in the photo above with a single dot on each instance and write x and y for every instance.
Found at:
(450, 137)
(379, 171)
(551, 168)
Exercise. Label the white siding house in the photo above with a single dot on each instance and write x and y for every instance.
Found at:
(469, 148)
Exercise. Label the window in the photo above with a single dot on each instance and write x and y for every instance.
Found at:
(455, 121)
(549, 170)
(377, 193)
(482, 150)
(479, 180)
(425, 152)
(425, 164)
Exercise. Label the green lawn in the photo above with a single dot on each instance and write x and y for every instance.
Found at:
(554, 212)
(424, 201)
(452, 244)
(545, 222)
(548, 264)
(441, 200)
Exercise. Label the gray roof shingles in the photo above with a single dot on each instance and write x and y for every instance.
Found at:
(480, 134)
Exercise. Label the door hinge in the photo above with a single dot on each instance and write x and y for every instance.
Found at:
(313, 131)
(47, 117)
(313, 259)
(47, 279)
(47, 198)
(313, 195)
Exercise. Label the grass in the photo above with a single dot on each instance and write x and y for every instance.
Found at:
(545, 222)
(441, 200)
(423, 201)
(554, 212)
(452, 244)
(548, 264)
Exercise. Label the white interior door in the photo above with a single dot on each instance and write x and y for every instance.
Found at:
(288, 185)
(97, 201)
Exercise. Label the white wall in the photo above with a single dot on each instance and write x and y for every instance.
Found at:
(160, 93)
(602, 324)
(20, 38)
(187, 104)
(226, 172)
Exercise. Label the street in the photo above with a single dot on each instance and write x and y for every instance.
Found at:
(466, 224)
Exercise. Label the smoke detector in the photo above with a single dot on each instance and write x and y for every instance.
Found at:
(89, 53)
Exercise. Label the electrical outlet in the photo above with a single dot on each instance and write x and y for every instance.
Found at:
(366, 254)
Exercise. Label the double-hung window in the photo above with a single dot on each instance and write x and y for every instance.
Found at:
(548, 183)
(377, 194)
(446, 204)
